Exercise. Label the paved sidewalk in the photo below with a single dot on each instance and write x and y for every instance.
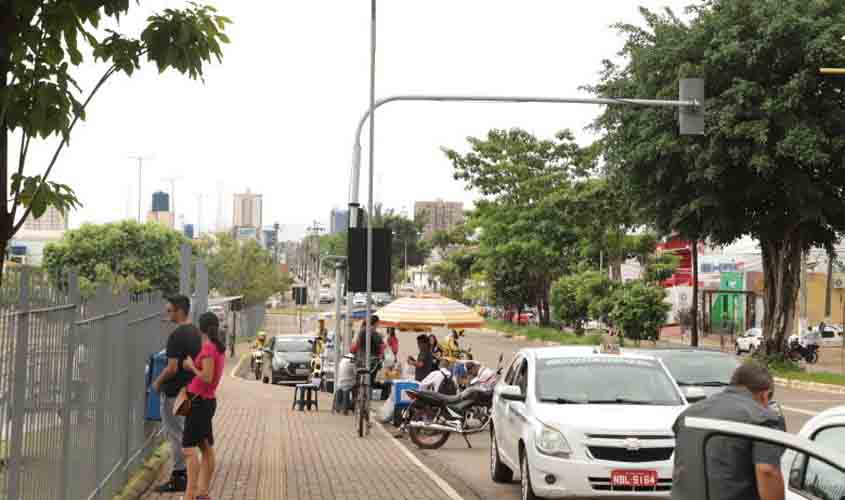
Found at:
(265, 451)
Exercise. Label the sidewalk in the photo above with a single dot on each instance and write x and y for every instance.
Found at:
(265, 451)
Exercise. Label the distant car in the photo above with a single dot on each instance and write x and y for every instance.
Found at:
(749, 341)
(326, 297)
(287, 358)
(810, 478)
(360, 299)
(526, 318)
(382, 299)
(700, 373)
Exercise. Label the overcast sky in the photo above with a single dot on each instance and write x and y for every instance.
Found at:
(278, 115)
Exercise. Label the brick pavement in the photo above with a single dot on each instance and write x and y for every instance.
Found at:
(265, 451)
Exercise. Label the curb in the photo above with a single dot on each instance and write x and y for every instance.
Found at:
(141, 481)
(809, 386)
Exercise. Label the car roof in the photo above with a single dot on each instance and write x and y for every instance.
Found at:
(290, 338)
(669, 351)
(578, 352)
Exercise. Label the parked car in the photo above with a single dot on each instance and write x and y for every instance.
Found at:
(749, 341)
(809, 478)
(360, 299)
(287, 358)
(526, 318)
(814, 466)
(576, 423)
(326, 297)
(831, 336)
(382, 299)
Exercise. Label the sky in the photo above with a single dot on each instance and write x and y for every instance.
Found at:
(279, 114)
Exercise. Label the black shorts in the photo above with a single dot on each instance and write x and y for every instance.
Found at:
(198, 426)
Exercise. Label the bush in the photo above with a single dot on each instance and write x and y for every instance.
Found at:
(639, 310)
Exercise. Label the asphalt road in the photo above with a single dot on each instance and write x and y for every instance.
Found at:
(467, 468)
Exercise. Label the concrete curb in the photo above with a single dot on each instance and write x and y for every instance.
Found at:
(810, 386)
(144, 477)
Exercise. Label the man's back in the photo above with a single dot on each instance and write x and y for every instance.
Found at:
(184, 342)
(730, 462)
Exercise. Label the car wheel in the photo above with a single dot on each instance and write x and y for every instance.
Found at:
(499, 472)
(266, 380)
(738, 350)
(525, 478)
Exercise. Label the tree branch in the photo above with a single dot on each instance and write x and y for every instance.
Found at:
(25, 140)
(111, 71)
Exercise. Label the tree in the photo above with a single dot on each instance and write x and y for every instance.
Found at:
(660, 267)
(42, 47)
(524, 241)
(143, 257)
(639, 310)
(770, 162)
(455, 270)
(576, 298)
(244, 268)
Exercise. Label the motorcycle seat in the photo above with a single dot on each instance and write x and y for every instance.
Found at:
(436, 396)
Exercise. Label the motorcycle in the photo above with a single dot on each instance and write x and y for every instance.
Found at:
(257, 363)
(797, 352)
(432, 417)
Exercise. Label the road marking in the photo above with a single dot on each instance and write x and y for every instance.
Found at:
(443, 485)
(799, 410)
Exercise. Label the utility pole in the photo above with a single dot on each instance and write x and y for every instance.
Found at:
(315, 230)
(172, 181)
(199, 196)
(140, 160)
(276, 243)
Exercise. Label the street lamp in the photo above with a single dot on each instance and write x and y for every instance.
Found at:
(140, 160)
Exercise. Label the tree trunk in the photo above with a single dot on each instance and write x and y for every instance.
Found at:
(828, 288)
(782, 274)
(615, 264)
(694, 308)
(7, 22)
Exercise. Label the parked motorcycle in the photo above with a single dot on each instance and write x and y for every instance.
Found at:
(433, 417)
(797, 352)
(256, 363)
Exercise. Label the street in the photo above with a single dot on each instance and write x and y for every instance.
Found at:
(468, 469)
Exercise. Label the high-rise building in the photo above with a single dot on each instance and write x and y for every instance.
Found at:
(338, 221)
(438, 215)
(166, 219)
(51, 220)
(161, 202)
(247, 210)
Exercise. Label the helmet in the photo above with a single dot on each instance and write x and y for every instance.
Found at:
(262, 335)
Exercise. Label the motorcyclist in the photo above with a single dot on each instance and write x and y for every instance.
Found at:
(452, 349)
(257, 348)
(479, 374)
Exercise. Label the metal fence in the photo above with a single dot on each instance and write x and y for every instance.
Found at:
(73, 387)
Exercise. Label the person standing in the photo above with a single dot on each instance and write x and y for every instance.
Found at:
(393, 341)
(344, 384)
(207, 368)
(424, 362)
(737, 468)
(185, 342)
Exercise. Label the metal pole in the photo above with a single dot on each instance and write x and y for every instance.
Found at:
(367, 328)
(140, 164)
(338, 328)
(19, 384)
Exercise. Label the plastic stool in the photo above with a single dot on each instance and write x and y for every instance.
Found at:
(306, 395)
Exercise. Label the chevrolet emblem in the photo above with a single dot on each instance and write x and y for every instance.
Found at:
(632, 444)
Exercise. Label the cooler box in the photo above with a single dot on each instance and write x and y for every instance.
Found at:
(400, 392)
(155, 366)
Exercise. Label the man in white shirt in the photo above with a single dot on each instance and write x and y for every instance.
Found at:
(344, 382)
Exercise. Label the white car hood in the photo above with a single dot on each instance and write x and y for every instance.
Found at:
(609, 419)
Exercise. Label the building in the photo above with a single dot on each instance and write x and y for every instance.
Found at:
(269, 238)
(51, 220)
(161, 202)
(247, 210)
(438, 215)
(189, 231)
(27, 246)
(338, 221)
(166, 219)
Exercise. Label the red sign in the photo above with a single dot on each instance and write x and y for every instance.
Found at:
(634, 478)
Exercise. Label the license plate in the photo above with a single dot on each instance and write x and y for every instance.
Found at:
(634, 478)
(302, 371)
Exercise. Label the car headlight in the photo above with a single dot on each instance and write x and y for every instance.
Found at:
(550, 441)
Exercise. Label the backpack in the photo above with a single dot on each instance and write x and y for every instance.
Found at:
(448, 386)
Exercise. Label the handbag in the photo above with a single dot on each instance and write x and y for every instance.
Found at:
(184, 402)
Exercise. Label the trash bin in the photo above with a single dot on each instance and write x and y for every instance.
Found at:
(155, 366)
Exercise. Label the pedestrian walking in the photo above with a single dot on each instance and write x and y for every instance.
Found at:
(737, 468)
(185, 342)
(424, 363)
(207, 368)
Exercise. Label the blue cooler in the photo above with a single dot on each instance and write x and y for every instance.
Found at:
(155, 366)
(400, 396)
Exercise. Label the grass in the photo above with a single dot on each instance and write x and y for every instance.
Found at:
(292, 310)
(791, 372)
(544, 333)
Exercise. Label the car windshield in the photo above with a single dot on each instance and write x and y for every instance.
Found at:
(605, 380)
(700, 369)
(292, 346)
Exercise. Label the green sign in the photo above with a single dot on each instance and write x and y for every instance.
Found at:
(729, 308)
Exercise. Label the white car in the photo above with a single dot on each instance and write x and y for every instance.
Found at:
(360, 299)
(326, 297)
(577, 423)
(749, 341)
(809, 478)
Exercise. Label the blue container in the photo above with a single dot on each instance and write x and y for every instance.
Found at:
(400, 388)
(155, 366)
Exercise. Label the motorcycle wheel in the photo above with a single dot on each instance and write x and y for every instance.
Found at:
(257, 373)
(426, 440)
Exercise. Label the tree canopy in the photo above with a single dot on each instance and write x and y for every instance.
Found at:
(145, 256)
(770, 163)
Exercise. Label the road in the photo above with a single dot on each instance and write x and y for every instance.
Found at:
(467, 469)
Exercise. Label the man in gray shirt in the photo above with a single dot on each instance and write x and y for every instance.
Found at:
(737, 468)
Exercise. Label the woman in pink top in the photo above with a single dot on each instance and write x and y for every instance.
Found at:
(208, 369)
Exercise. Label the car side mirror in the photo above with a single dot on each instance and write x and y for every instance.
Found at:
(267, 351)
(694, 394)
(511, 393)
